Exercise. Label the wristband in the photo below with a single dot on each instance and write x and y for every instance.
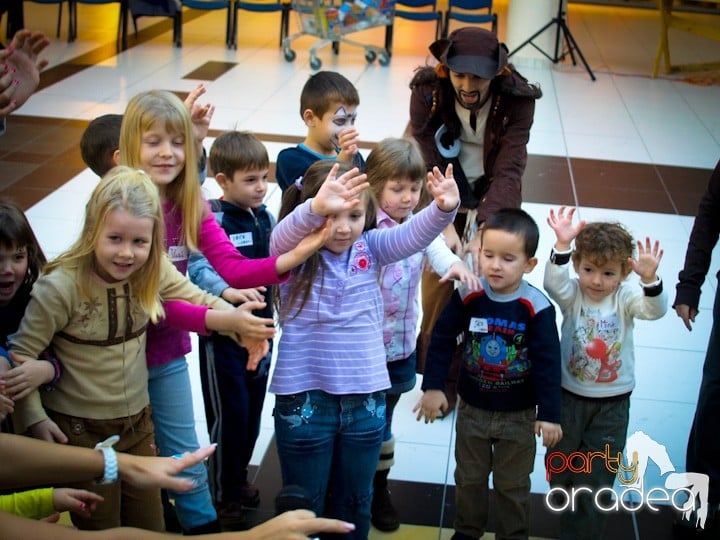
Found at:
(110, 474)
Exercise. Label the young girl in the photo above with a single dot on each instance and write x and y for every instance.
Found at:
(21, 260)
(396, 172)
(157, 136)
(93, 304)
(331, 371)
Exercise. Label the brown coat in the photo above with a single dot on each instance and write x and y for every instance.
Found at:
(507, 131)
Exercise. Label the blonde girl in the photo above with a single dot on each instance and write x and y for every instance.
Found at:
(93, 305)
(157, 136)
(331, 371)
(396, 173)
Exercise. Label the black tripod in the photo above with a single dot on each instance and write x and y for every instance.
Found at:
(570, 42)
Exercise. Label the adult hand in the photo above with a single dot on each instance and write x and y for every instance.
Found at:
(687, 314)
(156, 472)
(20, 69)
(297, 525)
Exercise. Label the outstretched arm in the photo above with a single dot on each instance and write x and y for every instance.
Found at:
(20, 69)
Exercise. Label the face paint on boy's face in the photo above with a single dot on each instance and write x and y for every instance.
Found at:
(341, 120)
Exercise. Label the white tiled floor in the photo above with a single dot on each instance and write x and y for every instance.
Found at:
(623, 116)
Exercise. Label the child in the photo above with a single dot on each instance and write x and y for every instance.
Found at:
(328, 105)
(157, 136)
(598, 362)
(99, 143)
(395, 172)
(233, 390)
(509, 382)
(331, 369)
(93, 304)
(21, 260)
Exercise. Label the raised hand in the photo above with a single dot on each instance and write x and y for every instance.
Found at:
(443, 188)
(20, 69)
(562, 224)
(339, 193)
(201, 115)
(648, 260)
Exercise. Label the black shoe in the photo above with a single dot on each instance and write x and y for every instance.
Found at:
(384, 516)
(462, 536)
(231, 515)
(250, 495)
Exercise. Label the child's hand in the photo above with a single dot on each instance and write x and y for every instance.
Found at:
(348, 140)
(250, 326)
(7, 405)
(80, 501)
(648, 260)
(562, 224)
(461, 272)
(27, 376)
(443, 188)
(430, 404)
(305, 248)
(238, 296)
(257, 350)
(201, 115)
(47, 430)
(687, 314)
(338, 194)
(20, 69)
(551, 433)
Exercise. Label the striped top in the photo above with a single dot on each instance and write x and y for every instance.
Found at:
(335, 343)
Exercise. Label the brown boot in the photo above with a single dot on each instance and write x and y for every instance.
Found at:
(384, 516)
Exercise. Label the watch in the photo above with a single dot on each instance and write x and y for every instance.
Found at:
(110, 474)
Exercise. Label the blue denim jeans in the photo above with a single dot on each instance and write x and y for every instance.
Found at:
(172, 413)
(330, 445)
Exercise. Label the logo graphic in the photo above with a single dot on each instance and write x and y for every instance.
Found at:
(686, 492)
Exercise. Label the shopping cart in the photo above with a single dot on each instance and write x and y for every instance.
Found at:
(331, 21)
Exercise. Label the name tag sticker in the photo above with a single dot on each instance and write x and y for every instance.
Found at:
(178, 253)
(478, 325)
(241, 239)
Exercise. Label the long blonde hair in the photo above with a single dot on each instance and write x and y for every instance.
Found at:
(142, 112)
(122, 188)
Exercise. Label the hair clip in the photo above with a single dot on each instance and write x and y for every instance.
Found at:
(298, 183)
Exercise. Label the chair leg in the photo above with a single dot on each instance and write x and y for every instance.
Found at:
(59, 22)
(234, 38)
(446, 26)
(389, 39)
(177, 29)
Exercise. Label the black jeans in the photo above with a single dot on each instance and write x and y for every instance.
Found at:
(703, 450)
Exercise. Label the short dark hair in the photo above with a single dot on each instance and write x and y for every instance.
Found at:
(99, 141)
(324, 88)
(515, 221)
(237, 151)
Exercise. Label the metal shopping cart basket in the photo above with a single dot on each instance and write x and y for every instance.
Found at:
(331, 21)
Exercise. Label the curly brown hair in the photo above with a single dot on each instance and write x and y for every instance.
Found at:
(603, 242)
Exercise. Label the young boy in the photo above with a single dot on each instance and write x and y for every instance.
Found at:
(327, 106)
(598, 363)
(99, 143)
(233, 391)
(509, 379)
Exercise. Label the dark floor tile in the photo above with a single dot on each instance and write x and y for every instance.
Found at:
(614, 174)
(547, 180)
(210, 71)
(625, 199)
(686, 186)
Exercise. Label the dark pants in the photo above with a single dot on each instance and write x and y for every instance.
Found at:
(703, 450)
(124, 504)
(588, 425)
(234, 400)
(502, 443)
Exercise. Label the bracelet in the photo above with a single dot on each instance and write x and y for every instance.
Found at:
(655, 283)
(110, 474)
